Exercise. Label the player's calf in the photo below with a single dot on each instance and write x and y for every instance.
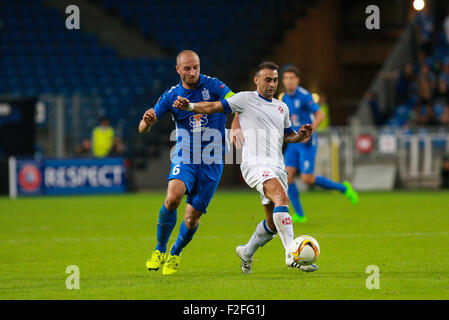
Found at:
(281, 216)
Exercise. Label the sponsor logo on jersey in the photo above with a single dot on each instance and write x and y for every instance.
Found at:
(206, 95)
(198, 120)
(30, 178)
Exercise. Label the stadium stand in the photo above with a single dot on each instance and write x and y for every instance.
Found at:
(40, 56)
(422, 89)
(178, 25)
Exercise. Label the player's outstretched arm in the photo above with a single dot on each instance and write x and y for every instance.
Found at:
(204, 107)
(237, 136)
(149, 119)
(304, 133)
(319, 117)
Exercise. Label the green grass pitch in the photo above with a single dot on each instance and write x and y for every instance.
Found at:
(405, 234)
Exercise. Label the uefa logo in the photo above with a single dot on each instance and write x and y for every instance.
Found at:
(30, 178)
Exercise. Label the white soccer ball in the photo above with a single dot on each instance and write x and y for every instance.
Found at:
(304, 250)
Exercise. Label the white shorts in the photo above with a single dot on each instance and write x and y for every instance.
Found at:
(256, 175)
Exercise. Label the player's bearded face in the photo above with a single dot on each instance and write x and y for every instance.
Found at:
(267, 82)
(190, 72)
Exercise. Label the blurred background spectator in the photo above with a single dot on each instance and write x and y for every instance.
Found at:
(104, 141)
(373, 103)
(325, 125)
(422, 88)
(406, 87)
(424, 29)
(84, 149)
(446, 26)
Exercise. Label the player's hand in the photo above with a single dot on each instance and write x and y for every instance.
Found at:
(181, 103)
(237, 138)
(305, 132)
(149, 116)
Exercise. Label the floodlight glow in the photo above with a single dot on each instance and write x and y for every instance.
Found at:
(419, 5)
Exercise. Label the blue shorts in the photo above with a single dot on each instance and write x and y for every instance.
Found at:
(200, 180)
(301, 156)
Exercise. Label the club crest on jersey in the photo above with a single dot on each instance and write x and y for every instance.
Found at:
(198, 120)
(297, 104)
(266, 174)
(281, 110)
(206, 95)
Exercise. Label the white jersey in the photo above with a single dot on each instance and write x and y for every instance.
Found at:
(264, 123)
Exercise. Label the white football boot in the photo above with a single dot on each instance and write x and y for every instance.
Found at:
(247, 263)
(292, 264)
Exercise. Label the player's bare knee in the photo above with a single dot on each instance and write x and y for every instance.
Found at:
(291, 176)
(172, 201)
(191, 221)
(308, 179)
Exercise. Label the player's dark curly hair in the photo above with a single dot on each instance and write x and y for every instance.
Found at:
(266, 65)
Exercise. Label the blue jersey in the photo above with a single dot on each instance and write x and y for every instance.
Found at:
(195, 132)
(302, 107)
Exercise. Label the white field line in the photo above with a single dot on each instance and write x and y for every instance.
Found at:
(317, 235)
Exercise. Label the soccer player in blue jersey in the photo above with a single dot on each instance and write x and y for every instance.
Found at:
(301, 157)
(190, 173)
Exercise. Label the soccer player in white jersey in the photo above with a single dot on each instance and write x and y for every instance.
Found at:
(266, 125)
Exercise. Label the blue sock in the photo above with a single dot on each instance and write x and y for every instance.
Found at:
(329, 184)
(293, 195)
(184, 237)
(165, 225)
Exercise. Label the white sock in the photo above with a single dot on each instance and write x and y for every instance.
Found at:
(260, 237)
(283, 222)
